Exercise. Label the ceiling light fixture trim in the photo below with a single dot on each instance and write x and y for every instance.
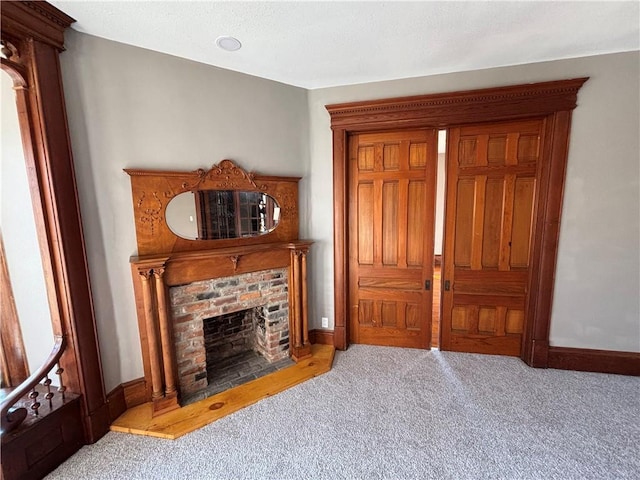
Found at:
(228, 43)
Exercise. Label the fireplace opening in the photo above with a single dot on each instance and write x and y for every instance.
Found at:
(229, 331)
(238, 350)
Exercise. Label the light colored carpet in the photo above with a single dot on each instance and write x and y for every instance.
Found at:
(402, 414)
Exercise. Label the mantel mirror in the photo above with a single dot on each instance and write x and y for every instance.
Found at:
(224, 206)
(220, 214)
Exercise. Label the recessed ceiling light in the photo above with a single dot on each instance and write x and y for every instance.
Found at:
(228, 43)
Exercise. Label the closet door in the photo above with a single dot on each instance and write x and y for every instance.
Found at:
(491, 196)
(392, 179)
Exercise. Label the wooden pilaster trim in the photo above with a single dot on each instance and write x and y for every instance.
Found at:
(545, 240)
(601, 361)
(340, 229)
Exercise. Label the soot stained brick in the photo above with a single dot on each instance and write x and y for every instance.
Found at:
(207, 296)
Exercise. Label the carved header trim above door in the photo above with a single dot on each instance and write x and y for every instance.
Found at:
(38, 20)
(502, 103)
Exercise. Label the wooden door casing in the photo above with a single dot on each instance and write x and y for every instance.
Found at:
(33, 37)
(554, 101)
(492, 172)
(391, 227)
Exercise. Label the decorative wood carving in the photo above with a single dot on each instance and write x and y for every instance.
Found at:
(166, 260)
(443, 109)
(226, 176)
(551, 100)
(153, 190)
(151, 209)
(39, 21)
(9, 51)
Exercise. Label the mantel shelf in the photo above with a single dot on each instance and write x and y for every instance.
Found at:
(220, 252)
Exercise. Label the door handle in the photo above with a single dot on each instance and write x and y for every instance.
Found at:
(427, 284)
(447, 285)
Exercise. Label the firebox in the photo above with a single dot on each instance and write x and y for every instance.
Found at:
(229, 330)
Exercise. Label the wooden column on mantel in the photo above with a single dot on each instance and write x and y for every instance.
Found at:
(165, 260)
(299, 344)
(159, 336)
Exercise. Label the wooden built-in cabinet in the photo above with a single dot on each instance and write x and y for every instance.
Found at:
(165, 259)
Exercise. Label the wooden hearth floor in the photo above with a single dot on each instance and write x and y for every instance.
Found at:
(138, 420)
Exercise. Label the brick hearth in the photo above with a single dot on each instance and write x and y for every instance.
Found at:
(262, 294)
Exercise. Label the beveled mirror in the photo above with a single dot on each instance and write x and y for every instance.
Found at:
(219, 214)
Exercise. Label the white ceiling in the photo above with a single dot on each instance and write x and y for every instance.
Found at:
(322, 44)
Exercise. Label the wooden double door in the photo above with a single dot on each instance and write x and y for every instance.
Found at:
(489, 219)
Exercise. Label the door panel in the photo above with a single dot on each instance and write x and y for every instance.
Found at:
(491, 187)
(391, 220)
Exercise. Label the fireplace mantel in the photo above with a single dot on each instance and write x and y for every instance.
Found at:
(174, 261)
(187, 267)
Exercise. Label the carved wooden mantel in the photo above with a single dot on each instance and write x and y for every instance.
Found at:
(166, 260)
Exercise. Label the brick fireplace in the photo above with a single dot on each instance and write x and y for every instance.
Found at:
(218, 318)
(166, 261)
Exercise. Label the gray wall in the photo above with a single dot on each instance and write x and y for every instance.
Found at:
(596, 298)
(130, 107)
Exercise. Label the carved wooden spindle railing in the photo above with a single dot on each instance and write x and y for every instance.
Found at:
(61, 388)
(11, 418)
(49, 395)
(35, 404)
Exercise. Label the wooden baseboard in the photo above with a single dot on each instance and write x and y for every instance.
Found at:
(135, 392)
(116, 403)
(99, 421)
(601, 361)
(126, 395)
(321, 336)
